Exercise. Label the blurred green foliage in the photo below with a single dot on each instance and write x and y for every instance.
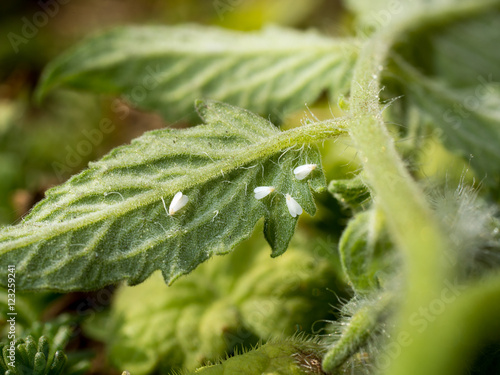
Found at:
(227, 304)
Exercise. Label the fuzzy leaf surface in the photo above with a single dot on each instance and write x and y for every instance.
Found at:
(165, 68)
(109, 222)
(291, 357)
(352, 193)
(228, 304)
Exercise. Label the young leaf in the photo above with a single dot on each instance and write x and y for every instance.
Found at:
(352, 193)
(110, 222)
(229, 303)
(41, 351)
(165, 68)
(365, 251)
(363, 319)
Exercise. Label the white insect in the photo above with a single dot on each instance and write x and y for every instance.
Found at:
(293, 207)
(177, 203)
(263, 191)
(303, 171)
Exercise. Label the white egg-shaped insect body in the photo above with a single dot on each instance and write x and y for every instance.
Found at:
(293, 207)
(303, 171)
(263, 191)
(178, 201)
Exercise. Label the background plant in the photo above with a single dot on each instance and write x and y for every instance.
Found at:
(417, 89)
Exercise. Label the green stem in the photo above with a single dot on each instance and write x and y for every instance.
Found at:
(413, 226)
(411, 222)
(451, 339)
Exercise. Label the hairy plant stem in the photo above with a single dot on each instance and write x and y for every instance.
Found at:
(411, 222)
(412, 225)
(358, 330)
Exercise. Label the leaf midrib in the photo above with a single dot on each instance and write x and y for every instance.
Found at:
(327, 45)
(103, 64)
(303, 135)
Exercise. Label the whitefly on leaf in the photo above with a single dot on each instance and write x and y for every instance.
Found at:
(263, 191)
(83, 237)
(293, 207)
(303, 171)
(178, 201)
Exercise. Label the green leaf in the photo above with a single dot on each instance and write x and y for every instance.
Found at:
(464, 53)
(40, 363)
(450, 73)
(374, 14)
(110, 222)
(165, 68)
(228, 303)
(352, 192)
(44, 355)
(365, 251)
(468, 120)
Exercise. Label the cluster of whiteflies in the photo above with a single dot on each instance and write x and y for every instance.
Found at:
(180, 200)
(294, 207)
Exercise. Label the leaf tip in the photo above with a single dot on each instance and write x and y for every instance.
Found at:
(200, 104)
